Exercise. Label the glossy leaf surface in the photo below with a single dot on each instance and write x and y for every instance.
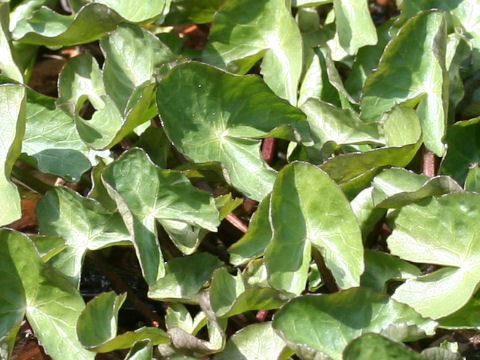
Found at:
(316, 217)
(303, 322)
(145, 194)
(35, 290)
(455, 246)
(418, 77)
(12, 128)
(225, 116)
(266, 30)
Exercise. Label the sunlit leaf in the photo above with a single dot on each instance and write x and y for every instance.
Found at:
(316, 217)
(211, 115)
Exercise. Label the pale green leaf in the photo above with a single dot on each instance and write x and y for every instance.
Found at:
(130, 10)
(231, 295)
(141, 350)
(316, 215)
(354, 25)
(145, 194)
(179, 316)
(263, 28)
(420, 236)
(394, 188)
(51, 304)
(407, 75)
(8, 66)
(51, 138)
(465, 12)
(211, 115)
(468, 317)
(316, 325)
(257, 341)
(381, 267)
(185, 278)
(101, 314)
(333, 127)
(46, 27)
(84, 225)
(256, 239)
(364, 209)
(12, 128)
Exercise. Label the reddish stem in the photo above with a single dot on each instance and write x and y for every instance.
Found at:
(429, 164)
(262, 315)
(235, 221)
(268, 149)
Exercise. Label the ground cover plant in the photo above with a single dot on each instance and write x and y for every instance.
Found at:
(248, 179)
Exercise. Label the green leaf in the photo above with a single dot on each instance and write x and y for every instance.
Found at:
(472, 182)
(381, 267)
(394, 188)
(141, 350)
(462, 153)
(185, 278)
(51, 304)
(51, 138)
(257, 341)
(84, 225)
(316, 217)
(12, 127)
(465, 12)
(332, 127)
(256, 239)
(468, 317)
(360, 167)
(193, 11)
(367, 214)
(48, 28)
(419, 77)
(374, 346)
(144, 193)
(314, 325)
(210, 115)
(179, 316)
(419, 236)
(367, 60)
(101, 314)
(129, 10)
(263, 29)
(354, 24)
(231, 295)
(8, 67)
(438, 353)
(123, 94)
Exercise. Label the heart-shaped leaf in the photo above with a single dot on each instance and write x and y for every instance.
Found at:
(419, 236)
(84, 225)
(50, 302)
(101, 314)
(8, 67)
(315, 325)
(257, 341)
(316, 217)
(144, 194)
(265, 28)
(211, 115)
(419, 77)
